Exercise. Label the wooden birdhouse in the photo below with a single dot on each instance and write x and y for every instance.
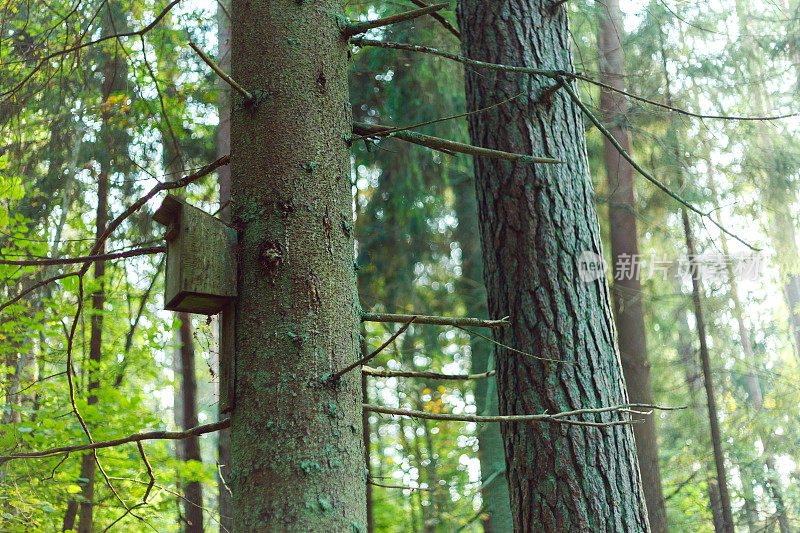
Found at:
(201, 262)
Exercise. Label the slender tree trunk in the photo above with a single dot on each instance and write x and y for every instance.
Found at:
(296, 436)
(224, 178)
(85, 521)
(111, 157)
(184, 364)
(494, 491)
(367, 446)
(694, 381)
(750, 511)
(713, 419)
(773, 486)
(189, 448)
(366, 429)
(409, 452)
(627, 287)
(535, 223)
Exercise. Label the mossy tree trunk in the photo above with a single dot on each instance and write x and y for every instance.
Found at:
(627, 287)
(535, 223)
(296, 437)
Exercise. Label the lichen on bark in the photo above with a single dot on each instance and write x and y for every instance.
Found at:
(295, 466)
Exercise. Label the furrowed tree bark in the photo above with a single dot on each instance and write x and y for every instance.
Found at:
(115, 72)
(627, 287)
(536, 221)
(494, 484)
(713, 418)
(224, 178)
(296, 436)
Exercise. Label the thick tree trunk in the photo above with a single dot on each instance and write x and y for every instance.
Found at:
(713, 418)
(494, 485)
(224, 178)
(627, 287)
(296, 437)
(535, 223)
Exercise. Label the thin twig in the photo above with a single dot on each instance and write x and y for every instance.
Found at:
(183, 182)
(443, 21)
(35, 286)
(375, 352)
(437, 143)
(435, 121)
(375, 483)
(383, 373)
(560, 418)
(149, 471)
(681, 485)
(136, 437)
(507, 347)
(221, 73)
(123, 515)
(649, 177)
(554, 74)
(46, 60)
(72, 260)
(435, 320)
(354, 28)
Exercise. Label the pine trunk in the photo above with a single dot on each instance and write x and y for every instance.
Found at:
(296, 436)
(494, 485)
(535, 223)
(627, 287)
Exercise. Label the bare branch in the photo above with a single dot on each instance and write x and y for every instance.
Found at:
(221, 73)
(649, 177)
(136, 437)
(443, 21)
(45, 60)
(375, 352)
(149, 471)
(354, 28)
(443, 119)
(444, 145)
(515, 350)
(559, 418)
(383, 373)
(375, 483)
(183, 182)
(435, 320)
(35, 286)
(72, 260)
(554, 74)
